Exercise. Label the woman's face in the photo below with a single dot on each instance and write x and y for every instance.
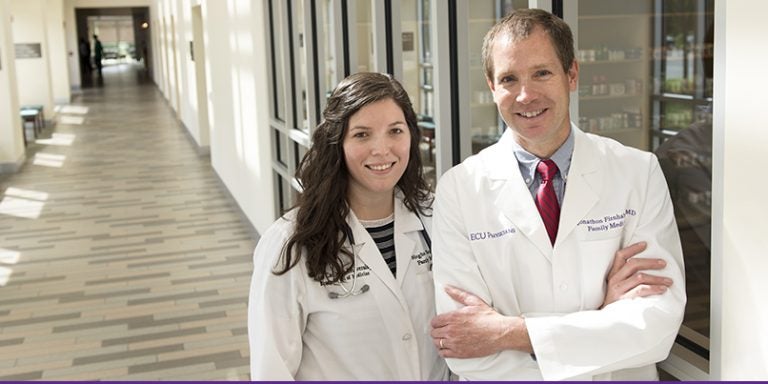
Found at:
(376, 149)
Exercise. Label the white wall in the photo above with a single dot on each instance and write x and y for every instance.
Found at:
(740, 244)
(57, 48)
(236, 74)
(33, 74)
(238, 113)
(11, 139)
(188, 99)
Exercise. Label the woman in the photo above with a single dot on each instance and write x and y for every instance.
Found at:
(342, 285)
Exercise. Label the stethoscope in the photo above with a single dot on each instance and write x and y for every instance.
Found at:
(353, 291)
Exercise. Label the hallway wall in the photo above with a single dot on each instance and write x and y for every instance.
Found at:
(30, 26)
(58, 52)
(236, 75)
(238, 116)
(12, 152)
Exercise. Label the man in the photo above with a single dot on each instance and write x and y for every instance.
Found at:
(98, 53)
(529, 230)
(85, 56)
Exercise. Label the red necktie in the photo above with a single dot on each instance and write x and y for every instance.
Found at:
(546, 199)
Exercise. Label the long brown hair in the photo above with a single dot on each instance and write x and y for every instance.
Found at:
(321, 227)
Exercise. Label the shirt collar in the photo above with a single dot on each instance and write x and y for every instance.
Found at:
(528, 161)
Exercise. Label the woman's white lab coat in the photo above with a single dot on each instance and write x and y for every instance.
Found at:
(297, 331)
(490, 240)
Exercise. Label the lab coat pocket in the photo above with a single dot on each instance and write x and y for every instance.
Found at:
(596, 259)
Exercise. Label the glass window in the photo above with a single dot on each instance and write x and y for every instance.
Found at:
(281, 147)
(329, 76)
(648, 84)
(415, 16)
(301, 65)
(486, 125)
(682, 139)
(613, 90)
(364, 36)
(276, 55)
(299, 151)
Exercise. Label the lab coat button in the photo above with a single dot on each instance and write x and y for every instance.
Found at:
(563, 286)
(406, 337)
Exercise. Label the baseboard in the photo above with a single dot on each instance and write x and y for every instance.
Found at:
(12, 167)
(202, 150)
(251, 229)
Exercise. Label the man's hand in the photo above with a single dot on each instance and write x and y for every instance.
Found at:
(476, 330)
(628, 278)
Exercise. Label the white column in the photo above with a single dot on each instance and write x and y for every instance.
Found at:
(33, 74)
(11, 139)
(58, 65)
(739, 337)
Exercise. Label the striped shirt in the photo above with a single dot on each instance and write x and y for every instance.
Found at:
(383, 233)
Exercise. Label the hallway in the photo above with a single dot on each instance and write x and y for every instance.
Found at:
(122, 256)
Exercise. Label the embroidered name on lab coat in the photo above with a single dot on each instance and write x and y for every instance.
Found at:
(362, 271)
(607, 222)
(476, 236)
(422, 257)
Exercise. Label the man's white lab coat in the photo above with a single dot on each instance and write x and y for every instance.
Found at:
(490, 240)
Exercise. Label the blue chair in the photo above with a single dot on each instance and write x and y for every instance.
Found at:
(29, 116)
(39, 119)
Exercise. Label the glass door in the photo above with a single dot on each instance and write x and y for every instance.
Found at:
(648, 84)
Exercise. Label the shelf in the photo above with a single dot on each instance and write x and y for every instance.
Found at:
(608, 97)
(617, 131)
(668, 96)
(626, 61)
(641, 15)
(615, 16)
(483, 21)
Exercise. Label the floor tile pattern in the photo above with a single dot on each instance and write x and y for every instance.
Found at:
(122, 257)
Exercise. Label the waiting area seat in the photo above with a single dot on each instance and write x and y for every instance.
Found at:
(427, 127)
(32, 114)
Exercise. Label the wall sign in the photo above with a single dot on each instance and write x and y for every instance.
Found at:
(28, 51)
(407, 41)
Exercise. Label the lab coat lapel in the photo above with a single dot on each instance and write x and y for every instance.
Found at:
(369, 253)
(513, 197)
(583, 185)
(406, 223)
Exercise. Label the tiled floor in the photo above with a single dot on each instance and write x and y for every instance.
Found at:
(122, 257)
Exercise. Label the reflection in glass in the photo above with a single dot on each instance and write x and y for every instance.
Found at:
(277, 47)
(301, 65)
(281, 147)
(614, 69)
(364, 36)
(683, 72)
(325, 30)
(415, 16)
(487, 126)
(648, 84)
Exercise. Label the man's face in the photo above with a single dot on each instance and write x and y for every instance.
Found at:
(531, 91)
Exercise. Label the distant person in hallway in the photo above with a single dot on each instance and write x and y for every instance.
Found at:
(557, 256)
(98, 53)
(342, 284)
(84, 50)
